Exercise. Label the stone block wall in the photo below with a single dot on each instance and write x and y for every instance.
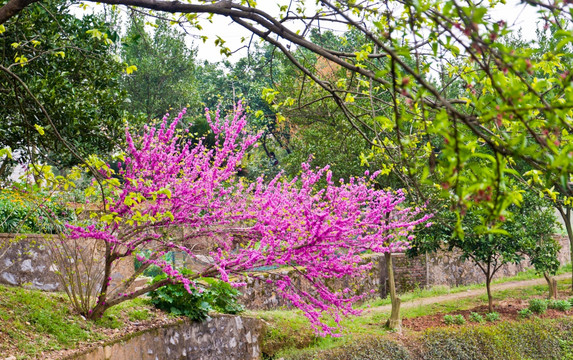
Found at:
(409, 273)
(27, 260)
(446, 268)
(222, 337)
(259, 294)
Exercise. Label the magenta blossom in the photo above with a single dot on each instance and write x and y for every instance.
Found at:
(167, 184)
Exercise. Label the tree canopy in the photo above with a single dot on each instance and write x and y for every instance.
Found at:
(436, 83)
(61, 99)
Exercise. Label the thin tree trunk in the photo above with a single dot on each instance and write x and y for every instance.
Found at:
(566, 216)
(552, 283)
(488, 277)
(394, 322)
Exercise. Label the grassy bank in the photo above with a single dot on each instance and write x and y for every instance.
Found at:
(35, 322)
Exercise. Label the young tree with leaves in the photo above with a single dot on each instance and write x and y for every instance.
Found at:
(526, 233)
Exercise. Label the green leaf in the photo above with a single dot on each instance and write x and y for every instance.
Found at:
(39, 129)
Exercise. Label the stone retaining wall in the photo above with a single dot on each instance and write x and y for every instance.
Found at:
(446, 268)
(26, 260)
(222, 337)
(409, 273)
(259, 294)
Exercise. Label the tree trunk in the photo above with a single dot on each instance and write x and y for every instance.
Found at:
(566, 216)
(394, 322)
(552, 283)
(97, 312)
(488, 277)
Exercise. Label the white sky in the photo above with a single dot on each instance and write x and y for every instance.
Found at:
(516, 15)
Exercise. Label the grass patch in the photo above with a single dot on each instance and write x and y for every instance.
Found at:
(34, 322)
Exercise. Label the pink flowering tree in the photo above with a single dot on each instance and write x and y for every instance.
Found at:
(166, 183)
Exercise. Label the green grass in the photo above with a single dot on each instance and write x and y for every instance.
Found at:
(34, 321)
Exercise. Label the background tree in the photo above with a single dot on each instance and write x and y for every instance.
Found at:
(60, 86)
(166, 73)
(528, 232)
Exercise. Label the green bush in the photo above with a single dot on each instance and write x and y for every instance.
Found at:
(532, 339)
(475, 317)
(371, 348)
(561, 305)
(538, 306)
(454, 319)
(492, 316)
(525, 313)
(216, 295)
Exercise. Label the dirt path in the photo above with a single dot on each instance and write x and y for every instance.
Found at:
(466, 294)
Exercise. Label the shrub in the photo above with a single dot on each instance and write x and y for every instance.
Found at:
(525, 313)
(454, 319)
(561, 305)
(217, 295)
(492, 316)
(370, 347)
(475, 317)
(532, 339)
(538, 306)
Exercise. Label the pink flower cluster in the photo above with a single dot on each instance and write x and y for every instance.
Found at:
(319, 231)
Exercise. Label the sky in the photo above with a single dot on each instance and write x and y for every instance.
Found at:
(516, 15)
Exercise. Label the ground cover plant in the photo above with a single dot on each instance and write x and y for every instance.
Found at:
(475, 317)
(561, 305)
(538, 306)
